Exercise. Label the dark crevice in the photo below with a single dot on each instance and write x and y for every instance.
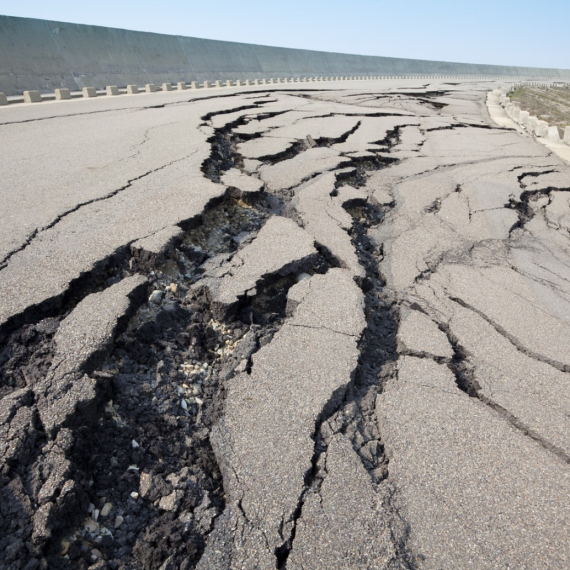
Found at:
(138, 388)
(434, 207)
(526, 206)
(305, 144)
(296, 148)
(77, 207)
(103, 274)
(209, 116)
(351, 409)
(467, 126)
(112, 269)
(533, 174)
(464, 374)
(183, 351)
(512, 339)
(224, 155)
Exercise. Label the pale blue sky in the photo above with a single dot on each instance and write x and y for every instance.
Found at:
(509, 32)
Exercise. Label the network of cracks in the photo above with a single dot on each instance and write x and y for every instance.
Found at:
(133, 480)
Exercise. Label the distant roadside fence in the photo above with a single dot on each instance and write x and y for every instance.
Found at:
(114, 90)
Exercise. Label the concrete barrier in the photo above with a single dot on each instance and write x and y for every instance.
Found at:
(541, 129)
(194, 85)
(532, 123)
(206, 85)
(523, 117)
(150, 88)
(3, 99)
(62, 94)
(238, 83)
(181, 86)
(32, 96)
(89, 92)
(112, 90)
(132, 89)
(567, 135)
(554, 134)
(229, 83)
(167, 86)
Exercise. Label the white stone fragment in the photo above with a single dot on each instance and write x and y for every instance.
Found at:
(107, 507)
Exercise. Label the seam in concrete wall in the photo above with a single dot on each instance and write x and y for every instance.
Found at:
(60, 52)
(138, 58)
(187, 58)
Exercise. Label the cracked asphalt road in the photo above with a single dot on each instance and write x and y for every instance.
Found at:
(283, 328)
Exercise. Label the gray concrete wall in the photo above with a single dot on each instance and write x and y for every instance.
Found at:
(44, 55)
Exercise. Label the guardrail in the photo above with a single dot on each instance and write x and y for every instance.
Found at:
(113, 90)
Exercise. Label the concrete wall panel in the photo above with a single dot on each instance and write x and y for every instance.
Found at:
(162, 57)
(98, 56)
(273, 61)
(29, 58)
(41, 55)
(213, 59)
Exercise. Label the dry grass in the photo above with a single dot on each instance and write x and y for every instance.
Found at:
(550, 104)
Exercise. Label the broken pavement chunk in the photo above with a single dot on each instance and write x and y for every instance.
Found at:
(264, 441)
(281, 248)
(234, 178)
(82, 341)
(292, 172)
(419, 334)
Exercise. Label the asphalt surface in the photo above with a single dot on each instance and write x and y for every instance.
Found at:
(347, 303)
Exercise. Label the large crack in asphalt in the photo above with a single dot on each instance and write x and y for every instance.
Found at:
(351, 409)
(157, 395)
(29, 240)
(464, 373)
(159, 392)
(528, 203)
(170, 369)
(141, 486)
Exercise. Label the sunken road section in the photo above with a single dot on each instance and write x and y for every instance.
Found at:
(283, 328)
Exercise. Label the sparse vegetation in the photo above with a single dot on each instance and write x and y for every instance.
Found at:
(550, 104)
